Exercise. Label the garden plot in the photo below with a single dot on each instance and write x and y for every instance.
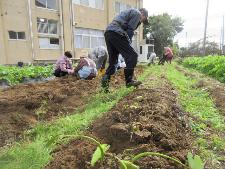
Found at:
(22, 106)
(147, 120)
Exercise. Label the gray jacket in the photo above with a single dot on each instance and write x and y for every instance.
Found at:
(126, 23)
(99, 55)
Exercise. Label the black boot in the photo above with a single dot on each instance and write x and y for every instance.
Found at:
(129, 78)
(105, 83)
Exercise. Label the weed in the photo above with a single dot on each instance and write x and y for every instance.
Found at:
(42, 109)
(194, 162)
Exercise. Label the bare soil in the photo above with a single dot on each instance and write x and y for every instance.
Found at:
(149, 119)
(24, 105)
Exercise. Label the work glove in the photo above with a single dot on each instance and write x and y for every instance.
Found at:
(101, 72)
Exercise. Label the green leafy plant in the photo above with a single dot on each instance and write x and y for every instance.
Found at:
(124, 164)
(195, 162)
(210, 65)
(14, 75)
(42, 109)
(145, 154)
(100, 151)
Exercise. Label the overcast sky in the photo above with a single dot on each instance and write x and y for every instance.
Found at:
(193, 13)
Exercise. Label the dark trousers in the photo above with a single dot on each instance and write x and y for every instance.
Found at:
(59, 73)
(116, 44)
(162, 60)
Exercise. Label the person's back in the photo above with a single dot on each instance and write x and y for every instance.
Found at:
(99, 56)
(152, 57)
(125, 23)
(86, 68)
(169, 54)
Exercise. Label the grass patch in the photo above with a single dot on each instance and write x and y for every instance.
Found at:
(35, 151)
(208, 119)
(196, 101)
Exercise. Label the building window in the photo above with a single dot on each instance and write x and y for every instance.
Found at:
(150, 49)
(48, 43)
(119, 7)
(17, 35)
(140, 49)
(88, 38)
(98, 4)
(47, 26)
(49, 4)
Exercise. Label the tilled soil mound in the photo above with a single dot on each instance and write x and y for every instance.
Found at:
(146, 120)
(22, 106)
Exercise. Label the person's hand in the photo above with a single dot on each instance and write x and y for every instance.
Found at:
(71, 71)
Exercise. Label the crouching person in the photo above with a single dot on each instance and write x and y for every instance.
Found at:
(86, 68)
(64, 65)
(99, 55)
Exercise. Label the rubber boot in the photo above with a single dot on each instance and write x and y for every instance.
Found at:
(129, 78)
(105, 83)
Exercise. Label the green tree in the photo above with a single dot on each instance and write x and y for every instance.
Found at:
(163, 28)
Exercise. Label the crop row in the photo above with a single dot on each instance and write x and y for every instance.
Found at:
(210, 65)
(14, 75)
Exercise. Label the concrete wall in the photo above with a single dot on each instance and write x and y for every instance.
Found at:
(15, 16)
(67, 15)
(2, 39)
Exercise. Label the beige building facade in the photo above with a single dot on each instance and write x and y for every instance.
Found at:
(34, 31)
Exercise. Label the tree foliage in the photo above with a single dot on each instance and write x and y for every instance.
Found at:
(196, 49)
(163, 28)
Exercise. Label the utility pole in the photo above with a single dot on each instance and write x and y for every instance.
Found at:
(206, 21)
(223, 37)
(186, 43)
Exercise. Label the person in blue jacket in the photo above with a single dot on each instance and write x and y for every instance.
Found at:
(118, 37)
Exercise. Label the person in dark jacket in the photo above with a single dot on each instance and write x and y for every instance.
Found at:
(118, 37)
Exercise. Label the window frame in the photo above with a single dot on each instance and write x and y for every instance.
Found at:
(89, 6)
(48, 33)
(54, 46)
(121, 5)
(90, 35)
(46, 6)
(17, 39)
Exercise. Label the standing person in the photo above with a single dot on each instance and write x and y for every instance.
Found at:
(64, 65)
(118, 37)
(99, 55)
(151, 56)
(86, 68)
(168, 54)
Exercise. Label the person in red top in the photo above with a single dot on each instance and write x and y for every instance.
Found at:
(168, 54)
(86, 68)
(64, 65)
